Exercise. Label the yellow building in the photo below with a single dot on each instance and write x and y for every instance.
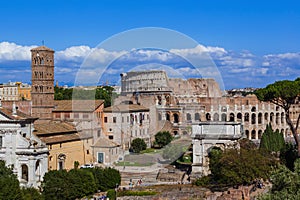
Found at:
(64, 144)
(24, 91)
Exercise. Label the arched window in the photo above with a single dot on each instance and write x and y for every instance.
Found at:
(266, 116)
(259, 134)
(176, 118)
(188, 117)
(231, 117)
(259, 118)
(253, 134)
(24, 172)
(247, 134)
(277, 118)
(246, 117)
(282, 117)
(253, 118)
(61, 161)
(168, 116)
(271, 117)
(38, 169)
(216, 117)
(208, 117)
(239, 116)
(197, 117)
(224, 117)
(253, 109)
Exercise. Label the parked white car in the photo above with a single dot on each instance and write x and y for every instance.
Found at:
(87, 166)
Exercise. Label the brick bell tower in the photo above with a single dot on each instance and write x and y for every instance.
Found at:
(42, 80)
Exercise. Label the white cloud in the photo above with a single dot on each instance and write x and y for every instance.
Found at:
(285, 59)
(10, 51)
(200, 49)
(91, 62)
(75, 53)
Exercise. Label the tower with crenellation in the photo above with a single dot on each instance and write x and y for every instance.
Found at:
(42, 79)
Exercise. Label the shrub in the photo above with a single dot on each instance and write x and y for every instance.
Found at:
(31, 194)
(163, 138)
(138, 145)
(9, 184)
(111, 194)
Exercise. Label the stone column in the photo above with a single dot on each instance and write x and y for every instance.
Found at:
(31, 172)
(197, 156)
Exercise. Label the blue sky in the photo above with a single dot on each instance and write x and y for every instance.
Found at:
(253, 43)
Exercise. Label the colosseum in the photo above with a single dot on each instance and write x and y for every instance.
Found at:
(176, 104)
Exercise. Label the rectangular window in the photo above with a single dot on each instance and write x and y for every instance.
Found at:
(85, 116)
(105, 119)
(57, 115)
(0, 141)
(67, 115)
(100, 157)
(111, 137)
(114, 120)
(76, 115)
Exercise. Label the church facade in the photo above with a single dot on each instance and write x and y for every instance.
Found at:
(21, 150)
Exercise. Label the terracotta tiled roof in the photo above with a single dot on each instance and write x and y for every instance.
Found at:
(104, 142)
(77, 105)
(42, 48)
(61, 138)
(52, 127)
(126, 108)
(9, 114)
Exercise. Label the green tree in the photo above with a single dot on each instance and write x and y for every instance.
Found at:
(285, 182)
(106, 178)
(238, 166)
(242, 166)
(106, 93)
(138, 145)
(111, 194)
(9, 184)
(81, 183)
(272, 141)
(61, 184)
(284, 94)
(288, 155)
(163, 138)
(31, 194)
(214, 160)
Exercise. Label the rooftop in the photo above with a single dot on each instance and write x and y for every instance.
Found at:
(126, 108)
(52, 127)
(42, 48)
(77, 105)
(104, 142)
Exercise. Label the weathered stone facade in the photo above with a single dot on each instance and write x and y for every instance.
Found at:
(206, 135)
(21, 150)
(42, 89)
(190, 101)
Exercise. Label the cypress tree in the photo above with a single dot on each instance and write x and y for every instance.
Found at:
(272, 141)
